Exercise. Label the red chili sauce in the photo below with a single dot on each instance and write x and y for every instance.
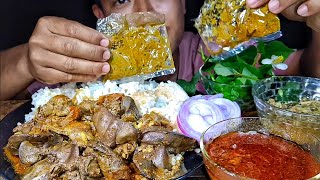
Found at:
(261, 156)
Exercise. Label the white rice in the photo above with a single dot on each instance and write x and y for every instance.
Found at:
(163, 98)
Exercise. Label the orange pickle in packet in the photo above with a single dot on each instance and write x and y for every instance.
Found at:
(227, 27)
(139, 46)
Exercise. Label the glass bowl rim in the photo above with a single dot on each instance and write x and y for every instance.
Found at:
(206, 155)
(254, 94)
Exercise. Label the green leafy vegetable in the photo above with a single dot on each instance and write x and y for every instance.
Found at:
(289, 93)
(224, 71)
(276, 48)
(190, 87)
(234, 76)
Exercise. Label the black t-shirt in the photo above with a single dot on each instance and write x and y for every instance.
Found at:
(19, 17)
(296, 35)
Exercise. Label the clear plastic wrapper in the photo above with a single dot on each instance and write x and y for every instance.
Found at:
(139, 46)
(227, 27)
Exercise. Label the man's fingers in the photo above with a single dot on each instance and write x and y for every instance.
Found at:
(70, 64)
(291, 13)
(256, 3)
(314, 22)
(277, 6)
(309, 8)
(72, 29)
(53, 76)
(76, 48)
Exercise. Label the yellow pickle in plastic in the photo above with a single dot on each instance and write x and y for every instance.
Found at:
(227, 27)
(139, 46)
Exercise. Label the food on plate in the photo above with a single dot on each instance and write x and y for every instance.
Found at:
(103, 138)
(225, 24)
(260, 156)
(164, 98)
(200, 112)
(139, 45)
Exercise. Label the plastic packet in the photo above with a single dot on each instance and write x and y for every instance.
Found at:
(139, 46)
(228, 27)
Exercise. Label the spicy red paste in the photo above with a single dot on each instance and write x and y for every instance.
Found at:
(262, 156)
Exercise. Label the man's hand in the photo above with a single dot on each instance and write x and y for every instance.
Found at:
(61, 50)
(314, 22)
(296, 10)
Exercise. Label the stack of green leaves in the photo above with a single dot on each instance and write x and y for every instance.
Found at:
(234, 76)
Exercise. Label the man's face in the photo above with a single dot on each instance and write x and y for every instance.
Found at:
(173, 10)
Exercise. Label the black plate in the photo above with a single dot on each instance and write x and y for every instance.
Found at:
(192, 160)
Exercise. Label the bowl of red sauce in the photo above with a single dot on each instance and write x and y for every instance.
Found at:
(252, 148)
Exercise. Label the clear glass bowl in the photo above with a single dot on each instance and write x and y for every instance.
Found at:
(216, 172)
(268, 88)
(238, 93)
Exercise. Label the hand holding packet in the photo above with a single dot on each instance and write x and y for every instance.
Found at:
(139, 46)
(228, 27)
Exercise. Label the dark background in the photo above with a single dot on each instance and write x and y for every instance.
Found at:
(18, 18)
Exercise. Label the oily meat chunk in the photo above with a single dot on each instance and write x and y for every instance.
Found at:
(80, 133)
(28, 153)
(125, 151)
(111, 165)
(112, 131)
(152, 122)
(176, 143)
(155, 162)
(58, 105)
(121, 106)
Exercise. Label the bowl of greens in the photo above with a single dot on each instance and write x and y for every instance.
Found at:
(290, 101)
(232, 89)
(235, 75)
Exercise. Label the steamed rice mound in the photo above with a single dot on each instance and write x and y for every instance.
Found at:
(163, 98)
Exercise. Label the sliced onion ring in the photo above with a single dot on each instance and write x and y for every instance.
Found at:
(198, 113)
(229, 109)
(208, 97)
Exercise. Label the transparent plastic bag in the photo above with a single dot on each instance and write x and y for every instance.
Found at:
(228, 27)
(139, 46)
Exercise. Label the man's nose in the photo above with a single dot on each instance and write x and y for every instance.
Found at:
(143, 6)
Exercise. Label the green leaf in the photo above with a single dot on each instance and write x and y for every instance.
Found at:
(232, 64)
(289, 93)
(226, 90)
(277, 48)
(261, 47)
(223, 79)
(190, 87)
(241, 81)
(224, 71)
(208, 66)
(248, 55)
(253, 78)
(247, 73)
(234, 94)
(213, 59)
(252, 69)
(266, 70)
